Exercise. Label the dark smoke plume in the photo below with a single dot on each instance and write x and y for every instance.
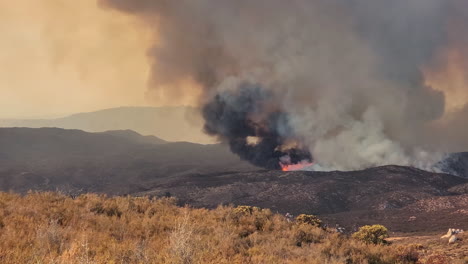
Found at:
(339, 80)
(235, 116)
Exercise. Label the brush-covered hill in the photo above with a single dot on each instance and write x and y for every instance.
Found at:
(114, 162)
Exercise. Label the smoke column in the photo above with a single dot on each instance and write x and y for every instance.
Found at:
(348, 83)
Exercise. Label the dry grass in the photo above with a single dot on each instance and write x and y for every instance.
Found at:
(433, 249)
(54, 228)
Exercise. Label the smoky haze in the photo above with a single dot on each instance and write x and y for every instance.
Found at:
(351, 84)
(60, 57)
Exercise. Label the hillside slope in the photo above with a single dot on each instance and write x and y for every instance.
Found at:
(115, 162)
(389, 195)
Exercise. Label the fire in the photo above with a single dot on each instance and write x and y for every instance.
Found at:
(296, 167)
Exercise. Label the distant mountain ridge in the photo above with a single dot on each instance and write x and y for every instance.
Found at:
(134, 137)
(168, 123)
(455, 164)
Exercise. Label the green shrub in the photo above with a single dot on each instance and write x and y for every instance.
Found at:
(309, 220)
(374, 234)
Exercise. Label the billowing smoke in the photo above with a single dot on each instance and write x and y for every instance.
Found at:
(253, 128)
(344, 81)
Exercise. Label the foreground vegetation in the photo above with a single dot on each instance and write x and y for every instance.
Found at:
(54, 228)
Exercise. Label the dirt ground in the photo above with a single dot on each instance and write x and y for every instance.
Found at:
(434, 249)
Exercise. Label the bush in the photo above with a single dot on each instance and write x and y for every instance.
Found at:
(246, 210)
(374, 234)
(306, 234)
(110, 211)
(409, 253)
(309, 220)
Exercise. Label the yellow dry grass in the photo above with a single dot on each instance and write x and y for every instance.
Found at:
(54, 228)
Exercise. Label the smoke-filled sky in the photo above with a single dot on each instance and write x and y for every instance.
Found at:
(60, 56)
(352, 83)
(345, 83)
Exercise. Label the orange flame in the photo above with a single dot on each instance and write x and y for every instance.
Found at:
(296, 167)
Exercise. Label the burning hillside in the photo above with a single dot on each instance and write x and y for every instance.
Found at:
(344, 84)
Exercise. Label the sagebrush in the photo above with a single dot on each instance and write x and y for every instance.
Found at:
(54, 228)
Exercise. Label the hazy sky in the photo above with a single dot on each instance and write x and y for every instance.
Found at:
(63, 56)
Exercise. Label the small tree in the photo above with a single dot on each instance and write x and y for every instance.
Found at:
(374, 234)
